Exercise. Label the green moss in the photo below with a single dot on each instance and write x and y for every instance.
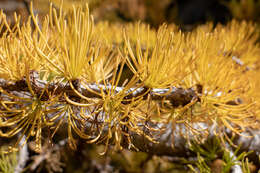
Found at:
(8, 161)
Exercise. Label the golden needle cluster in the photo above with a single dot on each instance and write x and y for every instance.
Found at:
(67, 70)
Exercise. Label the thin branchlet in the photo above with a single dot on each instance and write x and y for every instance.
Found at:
(177, 96)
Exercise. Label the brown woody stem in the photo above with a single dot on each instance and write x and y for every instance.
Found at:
(177, 96)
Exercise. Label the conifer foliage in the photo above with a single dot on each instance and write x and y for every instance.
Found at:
(67, 70)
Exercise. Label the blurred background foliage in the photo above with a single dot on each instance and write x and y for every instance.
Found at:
(185, 13)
